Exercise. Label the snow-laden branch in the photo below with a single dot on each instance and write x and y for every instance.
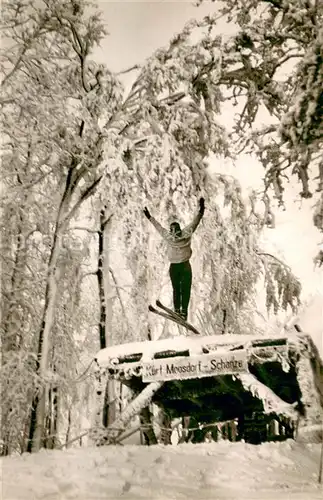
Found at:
(266, 254)
(15, 67)
(82, 228)
(272, 403)
(84, 196)
(281, 62)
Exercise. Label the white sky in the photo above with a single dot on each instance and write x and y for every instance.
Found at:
(136, 29)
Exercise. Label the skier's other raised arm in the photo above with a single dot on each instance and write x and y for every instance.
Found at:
(162, 231)
(197, 219)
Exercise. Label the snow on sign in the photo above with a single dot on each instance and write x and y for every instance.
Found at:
(206, 365)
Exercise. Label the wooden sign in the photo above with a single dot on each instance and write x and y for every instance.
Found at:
(205, 365)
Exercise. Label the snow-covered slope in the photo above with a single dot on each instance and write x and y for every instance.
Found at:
(213, 471)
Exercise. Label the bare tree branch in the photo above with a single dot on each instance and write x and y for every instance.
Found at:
(89, 273)
(87, 193)
(107, 221)
(118, 293)
(123, 72)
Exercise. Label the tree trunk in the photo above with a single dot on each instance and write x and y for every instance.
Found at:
(39, 405)
(106, 311)
(109, 409)
(39, 402)
(51, 437)
(100, 276)
(64, 215)
(65, 212)
(166, 432)
(10, 341)
(69, 424)
(134, 408)
(148, 432)
(54, 428)
(5, 448)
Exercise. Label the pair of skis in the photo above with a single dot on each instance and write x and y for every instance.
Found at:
(171, 315)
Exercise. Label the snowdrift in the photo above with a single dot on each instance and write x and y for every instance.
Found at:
(214, 471)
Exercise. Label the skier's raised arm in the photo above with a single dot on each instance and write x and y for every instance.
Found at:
(197, 219)
(162, 231)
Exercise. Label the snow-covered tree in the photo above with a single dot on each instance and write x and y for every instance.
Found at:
(71, 136)
(274, 62)
(271, 69)
(172, 125)
(51, 102)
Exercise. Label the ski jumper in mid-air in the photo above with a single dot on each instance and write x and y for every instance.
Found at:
(179, 253)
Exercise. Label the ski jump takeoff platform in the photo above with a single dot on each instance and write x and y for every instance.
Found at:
(215, 378)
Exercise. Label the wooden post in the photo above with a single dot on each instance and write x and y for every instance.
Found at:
(233, 431)
(148, 435)
(133, 409)
(310, 396)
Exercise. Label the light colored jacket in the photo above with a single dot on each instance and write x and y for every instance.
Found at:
(178, 247)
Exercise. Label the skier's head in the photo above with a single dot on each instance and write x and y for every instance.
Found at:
(175, 229)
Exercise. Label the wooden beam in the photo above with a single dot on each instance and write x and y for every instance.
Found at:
(133, 409)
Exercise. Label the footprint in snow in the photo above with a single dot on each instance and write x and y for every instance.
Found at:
(126, 487)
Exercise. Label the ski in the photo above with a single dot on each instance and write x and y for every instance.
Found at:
(168, 316)
(176, 316)
(162, 314)
(172, 318)
(169, 311)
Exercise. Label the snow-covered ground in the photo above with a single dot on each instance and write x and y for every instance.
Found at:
(224, 470)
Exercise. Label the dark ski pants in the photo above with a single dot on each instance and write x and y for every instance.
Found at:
(181, 278)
